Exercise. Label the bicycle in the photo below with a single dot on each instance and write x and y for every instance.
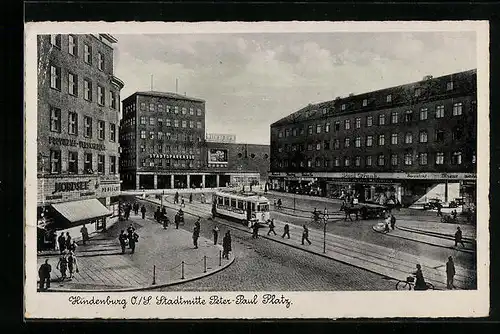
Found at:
(409, 284)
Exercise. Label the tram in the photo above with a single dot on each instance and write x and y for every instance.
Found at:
(246, 208)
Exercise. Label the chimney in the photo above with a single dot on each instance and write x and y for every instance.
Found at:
(427, 77)
(351, 94)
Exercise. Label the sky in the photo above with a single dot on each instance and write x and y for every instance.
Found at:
(251, 80)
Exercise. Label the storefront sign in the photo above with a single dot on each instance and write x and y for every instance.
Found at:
(374, 176)
(89, 193)
(171, 156)
(75, 143)
(71, 186)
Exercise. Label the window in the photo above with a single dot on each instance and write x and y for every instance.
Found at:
(184, 110)
(327, 128)
(326, 145)
(100, 61)
(151, 135)
(55, 119)
(198, 125)
(280, 134)
(55, 161)
(417, 92)
(408, 138)
(152, 107)
(388, 98)
(151, 121)
(439, 158)
(408, 115)
(112, 164)
(55, 40)
(100, 95)
(318, 146)
(369, 121)
(55, 77)
(357, 161)
(87, 54)
(88, 126)
(191, 124)
(167, 122)
(176, 123)
(457, 133)
(143, 134)
(423, 114)
(422, 157)
(394, 117)
(87, 163)
(176, 109)
(449, 85)
(408, 159)
(184, 123)
(337, 126)
(112, 132)
(72, 162)
(294, 132)
(309, 163)
(310, 129)
(369, 141)
(365, 102)
(191, 111)
(198, 112)
(143, 162)
(394, 159)
(100, 130)
(381, 119)
(457, 109)
(287, 132)
(381, 160)
(347, 161)
(394, 139)
(439, 136)
(381, 140)
(439, 111)
(318, 128)
(318, 162)
(342, 107)
(72, 84)
(358, 122)
(336, 162)
(100, 164)
(336, 144)
(423, 136)
(326, 163)
(143, 106)
(73, 123)
(112, 99)
(357, 142)
(368, 160)
(87, 90)
(347, 124)
(160, 107)
(143, 120)
(347, 142)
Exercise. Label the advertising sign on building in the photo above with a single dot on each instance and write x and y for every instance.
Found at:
(217, 156)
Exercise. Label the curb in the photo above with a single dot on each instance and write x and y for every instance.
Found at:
(435, 234)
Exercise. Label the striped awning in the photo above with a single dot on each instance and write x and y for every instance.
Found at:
(78, 211)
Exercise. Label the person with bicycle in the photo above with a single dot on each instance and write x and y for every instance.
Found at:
(419, 279)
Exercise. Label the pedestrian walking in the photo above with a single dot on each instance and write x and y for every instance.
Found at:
(255, 230)
(439, 213)
(176, 198)
(132, 241)
(305, 235)
(214, 210)
(203, 200)
(157, 214)
(85, 234)
(44, 274)
(177, 220)
(215, 231)
(68, 240)
(286, 231)
(165, 220)
(393, 221)
(226, 245)
(136, 208)
(450, 273)
(458, 237)
(72, 247)
(271, 227)
(143, 211)
(61, 241)
(127, 211)
(419, 279)
(190, 198)
(196, 233)
(182, 202)
(123, 240)
(164, 211)
(72, 264)
(62, 265)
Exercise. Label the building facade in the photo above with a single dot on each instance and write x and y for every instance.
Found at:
(408, 143)
(78, 119)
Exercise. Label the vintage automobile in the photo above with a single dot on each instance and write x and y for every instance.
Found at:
(432, 203)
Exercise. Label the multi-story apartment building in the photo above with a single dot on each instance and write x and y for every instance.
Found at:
(408, 142)
(78, 149)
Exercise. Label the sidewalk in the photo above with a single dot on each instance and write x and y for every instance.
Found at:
(375, 258)
(103, 267)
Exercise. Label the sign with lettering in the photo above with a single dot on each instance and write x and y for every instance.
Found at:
(70, 186)
(75, 143)
(171, 156)
(374, 176)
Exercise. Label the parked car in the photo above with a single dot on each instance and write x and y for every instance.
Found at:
(433, 203)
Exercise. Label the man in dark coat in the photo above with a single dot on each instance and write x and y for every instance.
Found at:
(271, 227)
(215, 231)
(62, 243)
(132, 241)
(226, 245)
(393, 221)
(143, 212)
(191, 198)
(44, 274)
(305, 235)
(286, 231)
(458, 237)
(123, 240)
(176, 197)
(196, 233)
(68, 240)
(255, 230)
(136, 208)
(157, 214)
(85, 234)
(450, 273)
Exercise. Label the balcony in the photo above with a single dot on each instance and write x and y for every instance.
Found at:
(117, 82)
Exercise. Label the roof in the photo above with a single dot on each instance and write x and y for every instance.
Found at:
(248, 194)
(169, 95)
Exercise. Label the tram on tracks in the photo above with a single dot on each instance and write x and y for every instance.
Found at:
(245, 207)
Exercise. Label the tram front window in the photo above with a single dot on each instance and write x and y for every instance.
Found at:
(264, 207)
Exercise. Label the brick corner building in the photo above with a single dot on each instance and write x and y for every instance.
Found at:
(408, 143)
(78, 149)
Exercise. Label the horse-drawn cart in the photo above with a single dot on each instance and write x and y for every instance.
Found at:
(364, 210)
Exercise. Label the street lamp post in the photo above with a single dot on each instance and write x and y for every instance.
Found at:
(324, 234)
(161, 199)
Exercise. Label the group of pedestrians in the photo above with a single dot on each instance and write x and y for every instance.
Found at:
(128, 207)
(390, 223)
(66, 243)
(226, 240)
(130, 238)
(420, 283)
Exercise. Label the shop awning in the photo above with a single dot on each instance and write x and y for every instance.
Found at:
(79, 211)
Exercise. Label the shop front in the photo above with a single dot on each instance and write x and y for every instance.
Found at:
(378, 191)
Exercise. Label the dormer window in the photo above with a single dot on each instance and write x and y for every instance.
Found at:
(342, 107)
(388, 98)
(449, 85)
(365, 102)
(417, 92)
